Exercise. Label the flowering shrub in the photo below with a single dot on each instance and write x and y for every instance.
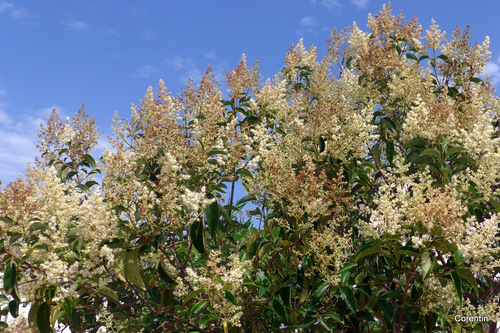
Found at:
(374, 174)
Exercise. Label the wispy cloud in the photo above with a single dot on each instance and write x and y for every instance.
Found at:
(210, 55)
(360, 3)
(15, 12)
(77, 25)
(336, 4)
(146, 71)
(306, 25)
(328, 4)
(186, 67)
(492, 69)
(18, 137)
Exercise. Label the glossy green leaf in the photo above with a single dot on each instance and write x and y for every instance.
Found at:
(132, 269)
(198, 237)
(90, 160)
(367, 251)
(348, 297)
(230, 297)
(265, 246)
(322, 144)
(454, 150)
(458, 285)
(10, 277)
(390, 151)
(318, 291)
(244, 173)
(325, 326)
(245, 199)
(494, 202)
(431, 152)
(14, 308)
(376, 153)
(165, 274)
(217, 151)
(469, 277)
(213, 214)
(43, 318)
(426, 264)
(108, 292)
(198, 307)
(387, 309)
(127, 268)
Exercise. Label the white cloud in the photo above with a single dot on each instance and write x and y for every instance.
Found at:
(210, 55)
(187, 68)
(77, 25)
(146, 71)
(328, 4)
(307, 21)
(335, 4)
(306, 25)
(492, 69)
(15, 12)
(18, 137)
(360, 3)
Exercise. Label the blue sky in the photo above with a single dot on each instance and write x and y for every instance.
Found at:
(60, 54)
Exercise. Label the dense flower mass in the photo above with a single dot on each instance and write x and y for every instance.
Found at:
(373, 176)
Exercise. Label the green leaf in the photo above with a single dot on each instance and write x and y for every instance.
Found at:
(7, 220)
(244, 173)
(417, 143)
(32, 314)
(84, 188)
(197, 307)
(191, 295)
(68, 308)
(246, 198)
(127, 268)
(348, 62)
(321, 144)
(165, 274)
(14, 308)
(325, 326)
(280, 310)
(132, 269)
(458, 285)
(230, 297)
(477, 80)
(198, 237)
(213, 214)
(431, 152)
(10, 277)
(90, 160)
(426, 264)
(376, 153)
(264, 247)
(494, 202)
(422, 58)
(347, 267)
(411, 56)
(108, 292)
(119, 266)
(348, 297)
(454, 150)
(43, 318)
(217, 151)
(38, 226)
(318, 291)
(469, 277)
(387, 309)
(366, 251)
(390, 151)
